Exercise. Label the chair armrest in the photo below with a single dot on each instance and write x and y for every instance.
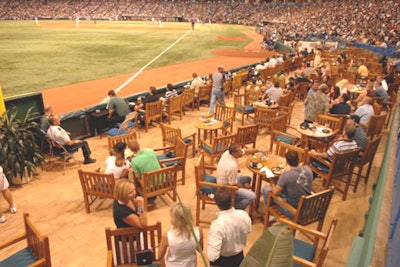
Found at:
(204, 142)
(141, 110)
(231, 187)
(296, 226)
(192, 136)
(38, 263)
(109, 258)
(12, 241)
(320, 160)
(282, 203)
(210, 168)
(303, 262)
(290, 136)
(164, 148)
(161, 161)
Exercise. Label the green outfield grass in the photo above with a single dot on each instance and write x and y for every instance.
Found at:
(57, 53)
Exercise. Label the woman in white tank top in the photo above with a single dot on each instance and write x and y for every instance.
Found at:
(179, 240)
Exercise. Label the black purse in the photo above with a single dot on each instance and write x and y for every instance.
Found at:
(144, 257)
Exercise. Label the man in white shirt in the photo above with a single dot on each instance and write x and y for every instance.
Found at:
(57, 134)
(196, 83)
(227, 236)
(227, 171)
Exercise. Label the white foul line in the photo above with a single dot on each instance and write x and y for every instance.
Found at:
(145, 66)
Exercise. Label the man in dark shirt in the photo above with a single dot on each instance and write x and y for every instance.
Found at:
(117, 109)
(151, 97)
(342, 107)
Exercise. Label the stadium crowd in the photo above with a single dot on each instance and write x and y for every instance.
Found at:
(366, 21)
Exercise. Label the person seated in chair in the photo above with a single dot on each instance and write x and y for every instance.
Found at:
(151, 97)
(171, 92)
(344, 144)
(57, 134)
(145, 160)
(117, 109)
(227, 171)
(291, 184)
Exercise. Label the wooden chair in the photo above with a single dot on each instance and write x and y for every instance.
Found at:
(366, 157)
(179, 150)
(377, 107)
(389, 107)
(243, 105)
(334, 124)
(206, 185)
(263, 116)
(343, 118)
(306, 254)
(282, 148)
(218, 146)
(124, 244)
(375, 125)
(288, 110)
(280, 80)
(340, 169)
(37, 251)
(204, 95)
(126, 126)
(169, 134)
(125, 138)
(228, 88)
(153, 112)
(188, 100)
(279, 132)
(301, 90)
(225, 114)
(96, 185)
(311, 208)
(247, 135)
(237, 83)
(156, 183)
(285, 100)
(174, 107)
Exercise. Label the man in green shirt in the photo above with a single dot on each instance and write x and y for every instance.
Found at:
(117, 109)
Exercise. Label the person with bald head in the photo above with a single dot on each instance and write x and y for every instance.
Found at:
(365, 110)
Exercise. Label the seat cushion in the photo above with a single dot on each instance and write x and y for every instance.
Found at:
(23, 257)
(284, 139)
(115, 132)
(247, 109)
(320, 166)
(187, 140)
(208, 189)
(218, 148)
(169, 163)
(303, 250)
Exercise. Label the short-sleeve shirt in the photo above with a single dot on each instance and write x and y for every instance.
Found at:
(120, 212)
(119, 105)
(340, 146)
(145, 161)
(218, 80)
(150, 99)
(364, 112)
(296, 182)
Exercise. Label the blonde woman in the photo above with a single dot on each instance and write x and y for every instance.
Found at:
(179, 239)
(116, 162)
(128, 210)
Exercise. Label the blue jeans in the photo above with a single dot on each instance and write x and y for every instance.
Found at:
(216, 94)
(243, 196)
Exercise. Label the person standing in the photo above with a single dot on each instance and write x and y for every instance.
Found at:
(179, 239)
(7, 195)
(217, 92)
(316, 103)
(227, 236)
(117, 109)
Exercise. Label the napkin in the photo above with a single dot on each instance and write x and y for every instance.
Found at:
(268, 172)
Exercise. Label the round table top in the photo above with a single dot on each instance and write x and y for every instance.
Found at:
(263, 105)
(213, 124)
(316, 131)
(269, 161)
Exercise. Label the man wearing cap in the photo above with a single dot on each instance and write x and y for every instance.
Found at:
(117, 109)
(217, 92)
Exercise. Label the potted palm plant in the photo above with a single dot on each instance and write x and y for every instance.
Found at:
(20, 153)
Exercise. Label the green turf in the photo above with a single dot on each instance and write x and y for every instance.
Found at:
(34, 58)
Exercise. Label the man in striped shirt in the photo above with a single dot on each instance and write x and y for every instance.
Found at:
(171, 92)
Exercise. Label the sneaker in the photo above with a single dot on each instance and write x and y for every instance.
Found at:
(3, 219)
(13, 209)
(89, 161)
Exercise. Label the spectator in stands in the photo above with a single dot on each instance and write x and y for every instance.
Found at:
(7, 195)
(196, 83)
(293, 183)
(117, 109)
(342, 107)
(58, 135)
(316, 103)
(227, 236)
(171, 92)
(274, 93)
(128, 209)
(179, 239)
(217, 92)
(365, 111)
(360, 137)
(44, 121)
(145, 160)
(116, 162)
(380, 91)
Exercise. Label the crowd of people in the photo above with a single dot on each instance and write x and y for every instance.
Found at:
(364, 21)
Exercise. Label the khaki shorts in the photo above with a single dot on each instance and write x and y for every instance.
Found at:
(3, 181)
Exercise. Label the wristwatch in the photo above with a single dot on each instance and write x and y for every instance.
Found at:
(140, 210)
